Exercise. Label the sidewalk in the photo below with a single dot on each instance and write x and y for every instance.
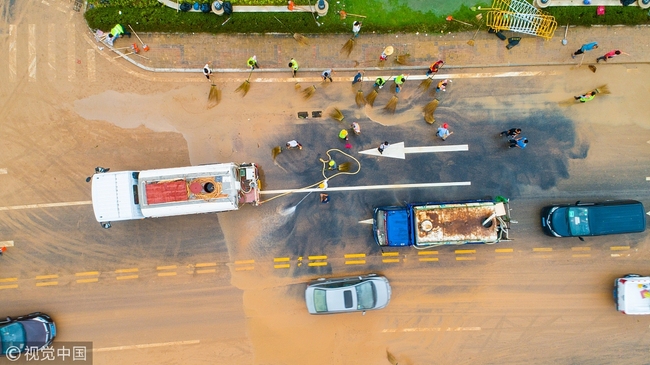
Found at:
(229, 53)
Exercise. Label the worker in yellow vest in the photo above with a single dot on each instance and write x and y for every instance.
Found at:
(118, 30)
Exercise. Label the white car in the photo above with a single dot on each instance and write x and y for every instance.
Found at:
(352, 294)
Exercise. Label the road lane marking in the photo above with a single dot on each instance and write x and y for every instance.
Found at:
(465, 258)
(392, 253)
(542, 249)
(206, 271)
(355, 262)
(317, 264)
(244, 262)
(282, 266)
(42, 277)
(502, 250)
(320, 257)
(51, 51)
(170, 273)
(354, 255)
(281, 259)
(580, 248)
(148, 345)
(464, 251)
(388, 261)
(121, 271)
(46, 205)
(397, 150)
(90, 60)
(619, 248)
(48, 283)
(8, 280)
(427, 259)
(6, 243)
(70, 32)
(206, 264)
(84, 281)
(87, 273)
(12, 52)
(14, 286)
(31, 50)
(435, 329)
(127, 277)
(368, 187)
(427, 252)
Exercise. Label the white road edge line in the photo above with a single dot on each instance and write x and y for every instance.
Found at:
(3, 171)
(368, 187)
(145, 346)
(6, 243)
(435, 329)
(51, 51)
(47, 205)
(31, 49)
(12, 52)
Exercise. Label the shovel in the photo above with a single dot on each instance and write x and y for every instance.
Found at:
(471, 41)
(144, 46)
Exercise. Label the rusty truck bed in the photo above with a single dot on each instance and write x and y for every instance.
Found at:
(455, 223)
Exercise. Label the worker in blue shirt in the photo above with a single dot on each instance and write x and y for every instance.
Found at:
(585, 47)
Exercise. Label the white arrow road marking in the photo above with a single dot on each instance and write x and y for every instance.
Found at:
(368, 187)
(367, 221)
(397, 150)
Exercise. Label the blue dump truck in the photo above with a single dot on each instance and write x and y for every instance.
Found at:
(426, 225)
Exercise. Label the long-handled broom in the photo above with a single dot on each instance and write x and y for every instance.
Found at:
(309, 92)
(348, 47)
(428, 111)
(392, 104)
(344, 167)
(337, 115)
(214, 97)
(276, 151)
(245, 86)
(425, 84)
(359, 99)
(370, 98)
(301, 39)
(403, 59)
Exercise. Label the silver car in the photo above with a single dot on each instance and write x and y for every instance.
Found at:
(352, 294)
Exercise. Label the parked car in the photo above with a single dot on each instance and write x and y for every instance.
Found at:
(594, 219)
(33, 330)
(351, 294)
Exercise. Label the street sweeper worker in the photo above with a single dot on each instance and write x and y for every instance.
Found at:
(118, 30)
(586, 97)
(434, 67)
(356, 128)
(331, 165)
(252, 63)
(343, 134)
(356, 28)
(294, 66)
(379, 82)
(399, 81)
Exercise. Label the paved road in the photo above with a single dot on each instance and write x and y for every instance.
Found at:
(213, 279)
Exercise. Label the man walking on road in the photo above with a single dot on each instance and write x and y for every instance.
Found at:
(294, 66)
(585, 47)
(358, 77)
(443, 131)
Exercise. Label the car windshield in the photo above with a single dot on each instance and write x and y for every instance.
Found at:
(579, 221)
(320, 302)
(366, 295)
(12, 335)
